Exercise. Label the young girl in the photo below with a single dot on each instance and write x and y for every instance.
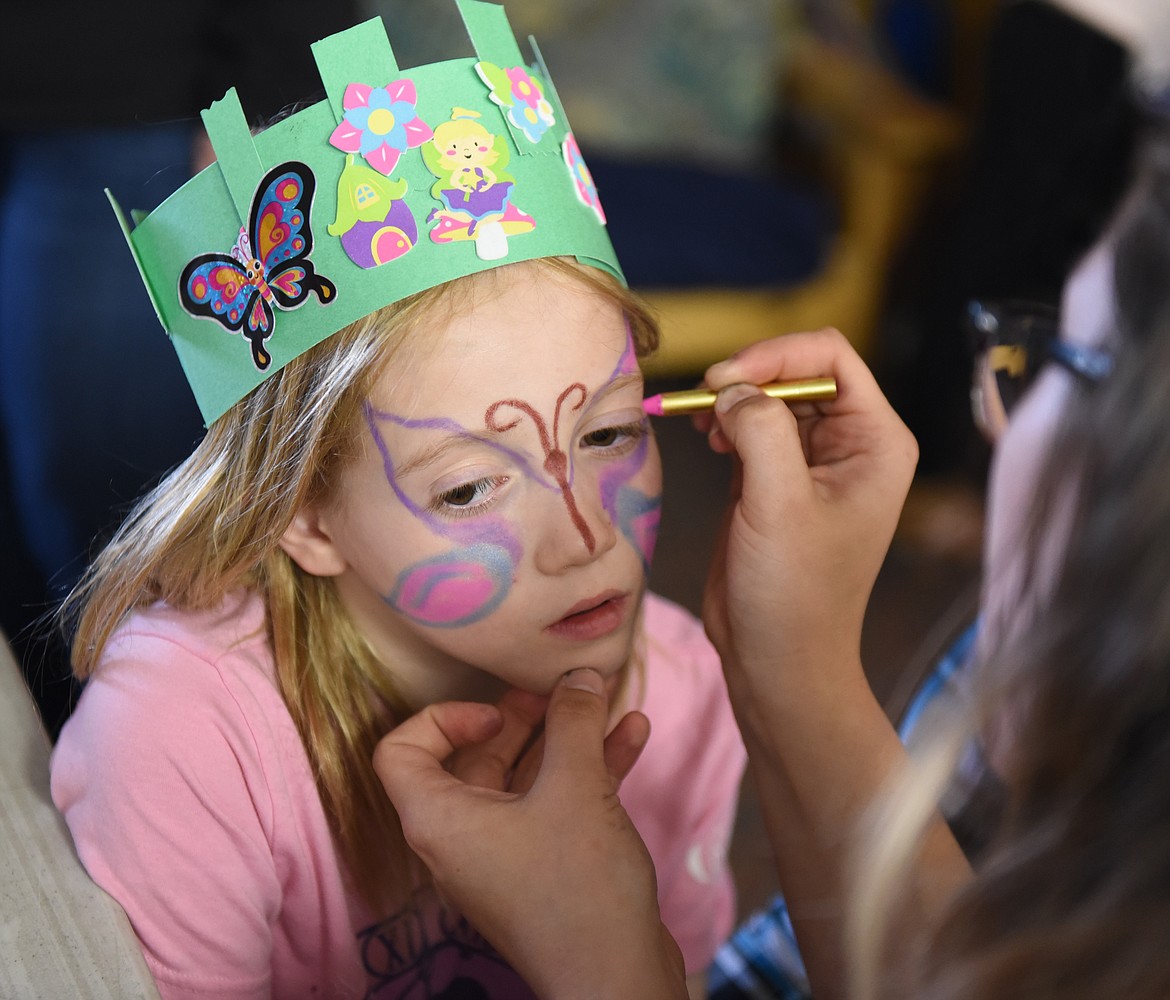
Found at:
(447, 491)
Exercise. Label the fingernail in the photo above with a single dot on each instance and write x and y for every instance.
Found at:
(733, 394)
(584, 679)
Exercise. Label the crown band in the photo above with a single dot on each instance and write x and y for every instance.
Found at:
(399, 181)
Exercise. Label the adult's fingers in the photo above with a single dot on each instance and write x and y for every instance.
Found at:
(625, 743)
(491, 763)
(409, 759)
(773, 470)
(575, 724)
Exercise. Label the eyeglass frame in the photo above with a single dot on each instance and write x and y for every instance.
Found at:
(986, 319)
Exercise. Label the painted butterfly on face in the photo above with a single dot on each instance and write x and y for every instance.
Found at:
(269, 265)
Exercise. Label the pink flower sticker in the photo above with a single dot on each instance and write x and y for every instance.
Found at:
(380, 123)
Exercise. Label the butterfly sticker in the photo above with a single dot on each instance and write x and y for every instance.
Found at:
(268, 267)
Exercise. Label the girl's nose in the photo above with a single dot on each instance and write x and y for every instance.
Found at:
(577, 530)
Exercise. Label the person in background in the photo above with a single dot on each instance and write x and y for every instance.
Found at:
(92, 407)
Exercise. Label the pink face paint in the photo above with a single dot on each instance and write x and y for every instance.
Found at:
(457, 588)
(556, 462)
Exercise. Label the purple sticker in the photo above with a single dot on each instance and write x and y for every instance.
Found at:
(374, 223)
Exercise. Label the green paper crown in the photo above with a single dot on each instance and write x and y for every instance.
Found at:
(400, 180)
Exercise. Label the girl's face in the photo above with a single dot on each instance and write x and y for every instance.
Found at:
(1086, 316)
(500, 519)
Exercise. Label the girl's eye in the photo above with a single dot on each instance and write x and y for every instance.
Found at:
(608, 438)
(461, 496)
(467, 497)
(602, 438)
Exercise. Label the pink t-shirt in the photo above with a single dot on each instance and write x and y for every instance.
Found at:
(190, 798)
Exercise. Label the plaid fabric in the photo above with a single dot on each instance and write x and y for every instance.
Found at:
(761, 960)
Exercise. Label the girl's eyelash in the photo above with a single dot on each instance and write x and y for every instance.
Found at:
(629, 433)
(448, 502)
(472, 498)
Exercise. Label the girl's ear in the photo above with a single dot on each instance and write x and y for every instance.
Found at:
(309, 543)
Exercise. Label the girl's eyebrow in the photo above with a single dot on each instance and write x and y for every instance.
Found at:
(433, 452)
(616, 385)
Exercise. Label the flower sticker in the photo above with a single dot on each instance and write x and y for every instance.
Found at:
(582, 178)
(522, 93)
(380, 123)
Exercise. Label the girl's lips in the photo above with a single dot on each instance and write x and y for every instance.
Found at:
(592, 618)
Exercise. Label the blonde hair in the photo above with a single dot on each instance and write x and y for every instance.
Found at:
(214, 525)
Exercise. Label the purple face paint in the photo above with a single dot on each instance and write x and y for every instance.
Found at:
(628, 362)
(461, 586)
(635, 513)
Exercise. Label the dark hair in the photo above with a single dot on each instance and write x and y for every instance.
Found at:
(1072, 898)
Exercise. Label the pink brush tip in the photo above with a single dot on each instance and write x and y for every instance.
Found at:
(652, 405)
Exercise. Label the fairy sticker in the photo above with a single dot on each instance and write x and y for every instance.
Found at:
(474, 187)
(268, 267)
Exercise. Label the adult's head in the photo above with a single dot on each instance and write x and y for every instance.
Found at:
(1071, 897)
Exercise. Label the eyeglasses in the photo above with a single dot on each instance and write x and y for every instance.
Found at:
(1013, 341)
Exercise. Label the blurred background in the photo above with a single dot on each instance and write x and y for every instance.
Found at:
(766, 166)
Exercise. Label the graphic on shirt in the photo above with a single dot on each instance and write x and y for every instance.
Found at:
(426, 952)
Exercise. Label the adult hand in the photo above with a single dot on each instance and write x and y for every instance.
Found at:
(816, 498)
(555, 877)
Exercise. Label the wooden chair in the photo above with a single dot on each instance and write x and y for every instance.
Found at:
(883, 147)
(63, 936)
